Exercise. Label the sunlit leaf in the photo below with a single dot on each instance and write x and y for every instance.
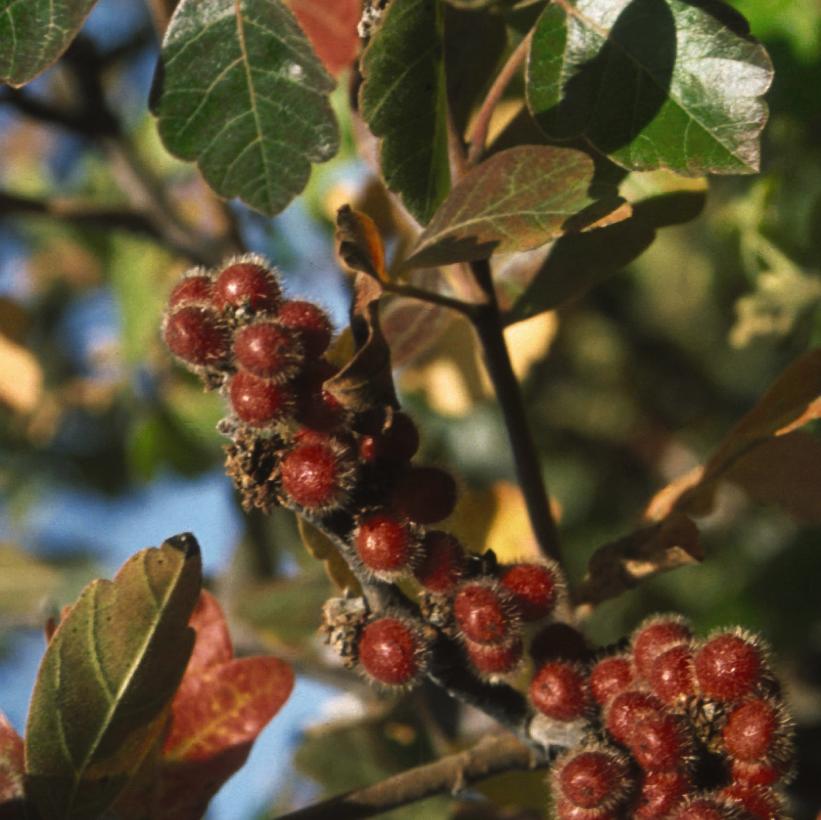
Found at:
(322, 548)
(359, 244)
(213, 642)
(331, 28)
(516, 200)
(403, 100)
(105, 683)
(243, 94)
(21, 377)
(34, 34)
(651, 83)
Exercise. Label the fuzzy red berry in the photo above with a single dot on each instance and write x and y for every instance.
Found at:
(705, 808)
(424, 494)
(672, 677)
(387, 545)
(259, 402)
(194, 335)
(558, 642)
(247, 283)
(392, 651)
(751, 729)
(534, 587)
(658, 742)
(318, 475)
(483, 612)
(268, 350)
(628, 708)
(654, 636)
(310, 323)
(559, 690)
(659, 793)
(596, 779)
(760, 773)
(728, 666)
(757, 801)
(392, 437)
(196, 290)
(443, 558)
(497, 659)
(609, 677)
(565, 810)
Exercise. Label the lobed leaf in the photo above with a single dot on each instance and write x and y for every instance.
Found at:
(35, 33)
(517, 200)
(104, 686)
(651, 83)
(331, 28)
(242, 93)
(403, 101)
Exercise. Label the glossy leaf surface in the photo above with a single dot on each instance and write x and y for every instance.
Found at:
(651, 83)
(244, 95)
(403, 101)
(34, 34)
(108, 676)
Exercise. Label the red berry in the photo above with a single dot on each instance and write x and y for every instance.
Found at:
(751, 729)
(759, 802)
(558, 641)
(310, 323)
(565, 810)
(483, 612)
(497, 659)
(390, 438)
(424, 494)
(317, 475)
(592, 779)
(704, 808)
(728, 666)
(247, 284)
(559, 690)
(317, 408)
(194, 335)
(195, 290)
(672, 677)
(391, 650)
(609, 677)
(258, 402)
(387, 545)
(660, 792)
(658, 742)
(654, 636)
(761, 773)
(442, 561)
(534, 587)
(268, 350)
(628, 708)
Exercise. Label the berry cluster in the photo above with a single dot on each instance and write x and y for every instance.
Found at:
(674, 727)
(684, 729)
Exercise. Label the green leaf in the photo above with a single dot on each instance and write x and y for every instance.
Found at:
(651, 83)
(108, 676)
(34, 34)
(403, 100)
(578, 262)
(514, 201)
(242, 93)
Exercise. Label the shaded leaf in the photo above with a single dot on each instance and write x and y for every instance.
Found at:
(331, 28)
(403, 101)
(322, 548)
(244, 95)
(11, 764)
(105, 683)
(516, 200)
(34, 34)
(577, 262)
(794, 399)
(651, 83)
(622, 564)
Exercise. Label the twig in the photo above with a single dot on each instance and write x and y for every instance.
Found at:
(449, 775)
(422, 295)
(478, 133)
(487, 320)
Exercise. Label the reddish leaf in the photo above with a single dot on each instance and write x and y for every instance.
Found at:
(213, 642)
(11, 763)
(359, 244)
(331, 28)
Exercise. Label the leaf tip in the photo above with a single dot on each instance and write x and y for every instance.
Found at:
(186, 543)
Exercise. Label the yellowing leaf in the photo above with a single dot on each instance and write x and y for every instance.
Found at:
(21, 379)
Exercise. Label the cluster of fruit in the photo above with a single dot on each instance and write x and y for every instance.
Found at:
(676, 728)
(685, 729)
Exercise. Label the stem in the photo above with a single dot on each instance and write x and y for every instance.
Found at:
(412, 292)
(449, 775)
(478, 133)
(487, 320)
